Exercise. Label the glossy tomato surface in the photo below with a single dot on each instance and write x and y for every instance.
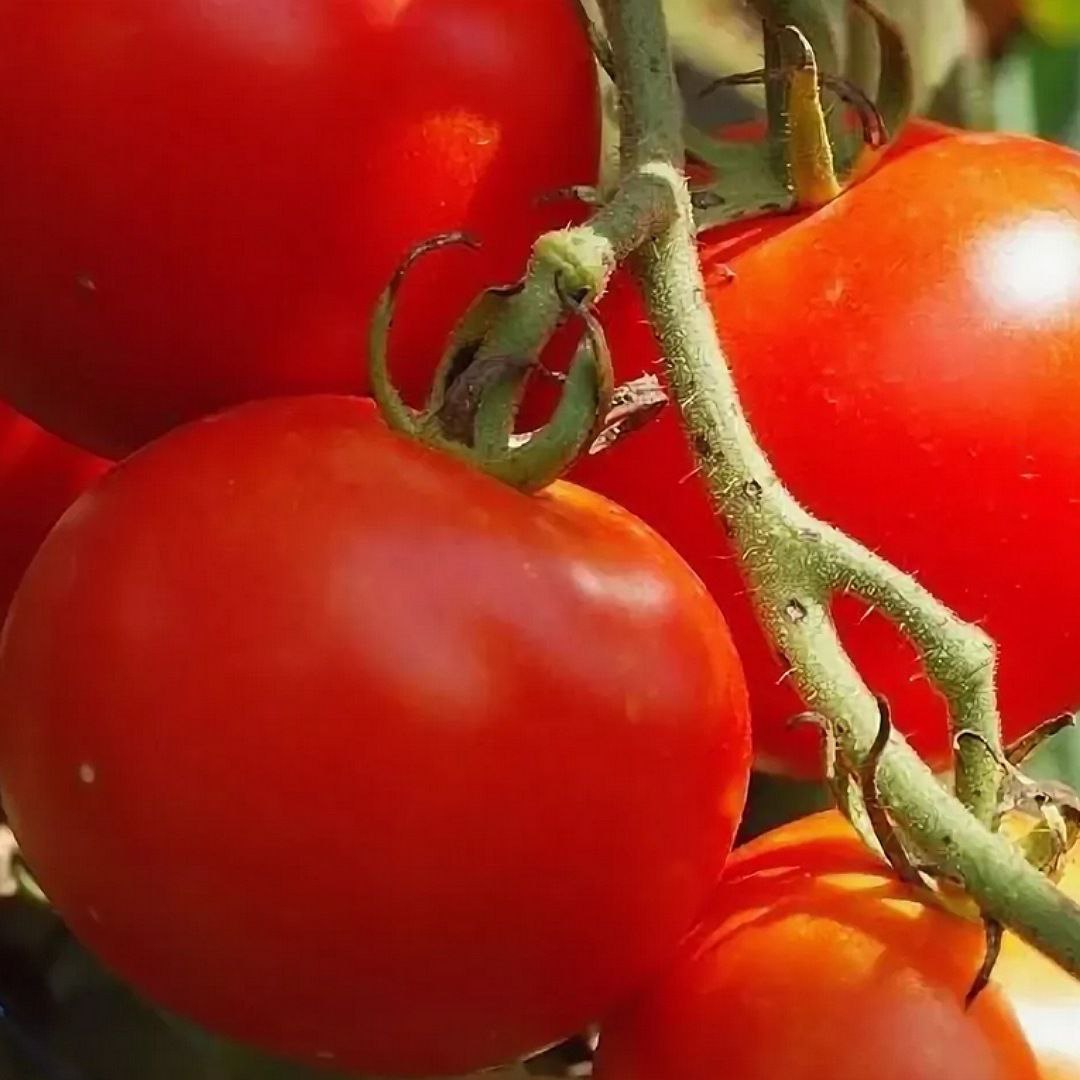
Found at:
(816, 963)
(199, 202)
(40, 477)
(360, 755)
(910, 359)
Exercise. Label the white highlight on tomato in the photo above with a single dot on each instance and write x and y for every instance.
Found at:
(1031, 269)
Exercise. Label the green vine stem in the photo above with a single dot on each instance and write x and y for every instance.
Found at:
(794, 563)
(958, 657)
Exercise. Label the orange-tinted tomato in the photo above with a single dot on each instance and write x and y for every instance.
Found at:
(816, 963)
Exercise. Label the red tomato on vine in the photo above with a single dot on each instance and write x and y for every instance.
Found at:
(360, 755)
(815, 962)
(200, 202)
(910, 360)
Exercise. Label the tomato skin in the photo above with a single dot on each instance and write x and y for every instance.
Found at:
(908, 360)
(376, 728)
(199, 203)
(816, 962)
(40, 477)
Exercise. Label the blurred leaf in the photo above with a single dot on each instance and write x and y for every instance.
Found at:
(936, 32)
(1057, 21)
(1037, 90)
(965, 99)
(719, 37)
(1058, 758)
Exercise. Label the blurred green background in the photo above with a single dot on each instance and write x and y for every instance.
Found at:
(1009, 64)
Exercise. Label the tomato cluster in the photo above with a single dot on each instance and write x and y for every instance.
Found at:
(343, 748)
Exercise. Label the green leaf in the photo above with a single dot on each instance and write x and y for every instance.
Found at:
(1037, 90)
(1056, 20)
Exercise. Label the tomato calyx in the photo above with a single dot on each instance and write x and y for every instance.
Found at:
(808, 158)
(474, 399)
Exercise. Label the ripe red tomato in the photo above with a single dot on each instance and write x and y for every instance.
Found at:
(199, 202)
(40, 477)
(815, 962)
(422, 772)
(910, 359)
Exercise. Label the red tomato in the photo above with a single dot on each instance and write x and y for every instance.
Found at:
(815, 962)
(910, 359)
(199, 202)
(40, 477)
(360, 755)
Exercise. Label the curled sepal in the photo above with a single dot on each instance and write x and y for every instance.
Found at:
(812, 18)
(538, 457)
(811, 154)
(881, 112)
(633, 404)
(1054, 805)
(466, 340)
(473, 402)
(395, 411)
(598, 38)
(855, 791)
(841, 781)
(894, 96)
(720, 153)
(889, 840)
(795, 168)
(994, 934)
(1018, 752)
(810, 157)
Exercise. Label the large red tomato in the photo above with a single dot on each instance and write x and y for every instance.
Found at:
(910, 359)
(816, 963)
(199, 202)
(40, 477)
(360, 755)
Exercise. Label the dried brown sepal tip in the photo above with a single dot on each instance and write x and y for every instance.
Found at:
(994, 935)
(598, 38)
(1055, 805)
(1019, 751)
(892, 844)
(582, 193)
(633, 405)
(854, 790)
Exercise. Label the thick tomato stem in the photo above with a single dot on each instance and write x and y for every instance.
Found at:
(795, 563)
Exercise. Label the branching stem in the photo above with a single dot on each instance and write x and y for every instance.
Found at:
(795, 563)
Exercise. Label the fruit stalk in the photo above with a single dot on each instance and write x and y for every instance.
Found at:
(794, 563)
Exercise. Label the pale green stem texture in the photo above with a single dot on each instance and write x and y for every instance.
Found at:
(793, 562)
